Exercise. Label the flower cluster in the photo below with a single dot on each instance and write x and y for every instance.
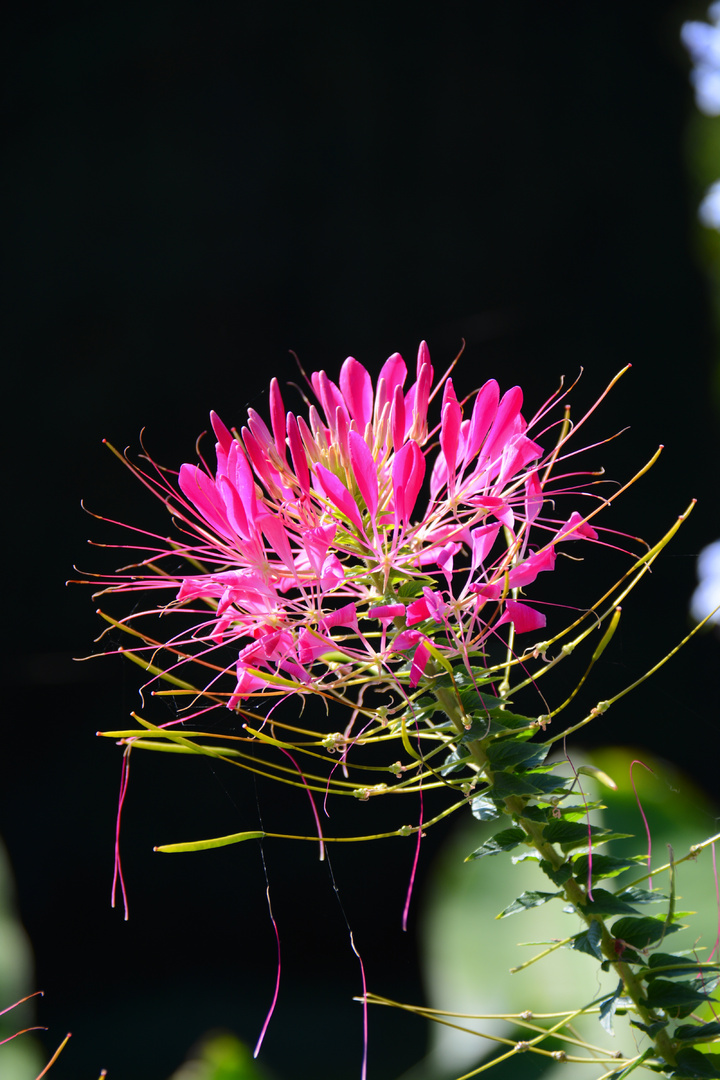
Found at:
(310, 558)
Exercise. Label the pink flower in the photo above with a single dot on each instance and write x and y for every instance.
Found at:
(305, 542)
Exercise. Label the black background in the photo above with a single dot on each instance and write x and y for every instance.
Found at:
(192, 190)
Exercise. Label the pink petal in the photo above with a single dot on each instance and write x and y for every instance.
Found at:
(297, 454)
(483, 414)
(234, 508)
(450, 430)
(356, 386)
(365, 471)
(417, 612)
(533, 496)
(408, 473)
(405, 640)
(316, 543)
(386, 611)
(277, 418)
(482, 539)
(276, 536)
(202, 493)
(394, 372)
(397, 419)
(327, 393)
(524, 618)
(240, 476)
(344, 616)
(526, 572)
(504, 423)
(335, 490)
(311, 645)
(419, 663)
(576, 529)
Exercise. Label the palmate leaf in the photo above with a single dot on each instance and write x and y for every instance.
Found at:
(506, 784)
(607, 903)
(678, 999)
(695, 1032)
(650, 1029)
(642, 931)
(505, 840)
(603, 866)
(455, 761)
(681, 965)
(507, 754)
(608, 1008)
(551, 785)
(483, 808)
(497, 722)
(589, 941)
(641, 896)
(559, 876)
(692, 1065)
(571, 834)
(527, 900)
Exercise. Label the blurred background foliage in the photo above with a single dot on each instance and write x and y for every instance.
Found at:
(193, 190)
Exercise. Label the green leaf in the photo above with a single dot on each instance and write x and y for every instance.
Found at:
(650, 1029)
(496, 722)
(506, 784)
(680, 965)
(483, 809)
(607, 903)
(589, 941)
(676, 998)
(692, 1065)
(540, 814)
(602, 866)
(579, 811)
(455, 761)
(551, 785)
(508, 754)
(695, 1032)
(642, 932)
(641, 896)
(528, 900)
(559, 876)
(608, 1008)
(570, 834)
(505, 840)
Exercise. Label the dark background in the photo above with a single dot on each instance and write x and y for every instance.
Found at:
(192, 190)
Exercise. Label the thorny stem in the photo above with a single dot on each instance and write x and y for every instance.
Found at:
(573, 892)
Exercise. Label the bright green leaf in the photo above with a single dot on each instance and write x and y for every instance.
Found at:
(527, 900)
(607, 903)
(589, 941)
(642, 931)
(603, 866)
(505, 840)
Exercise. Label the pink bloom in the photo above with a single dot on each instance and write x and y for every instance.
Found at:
(306, 540)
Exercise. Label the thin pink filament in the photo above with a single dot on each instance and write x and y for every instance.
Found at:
(117, 872)
(363, 1071)
(312, 803)
(413, 872)
(642, 812)
(273, 1003)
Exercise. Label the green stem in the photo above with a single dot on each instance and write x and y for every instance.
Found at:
(574, 892)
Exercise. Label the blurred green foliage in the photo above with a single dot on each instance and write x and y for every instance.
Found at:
(468, 954)
(221, 1056)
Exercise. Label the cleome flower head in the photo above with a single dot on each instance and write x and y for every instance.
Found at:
(316, 563)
